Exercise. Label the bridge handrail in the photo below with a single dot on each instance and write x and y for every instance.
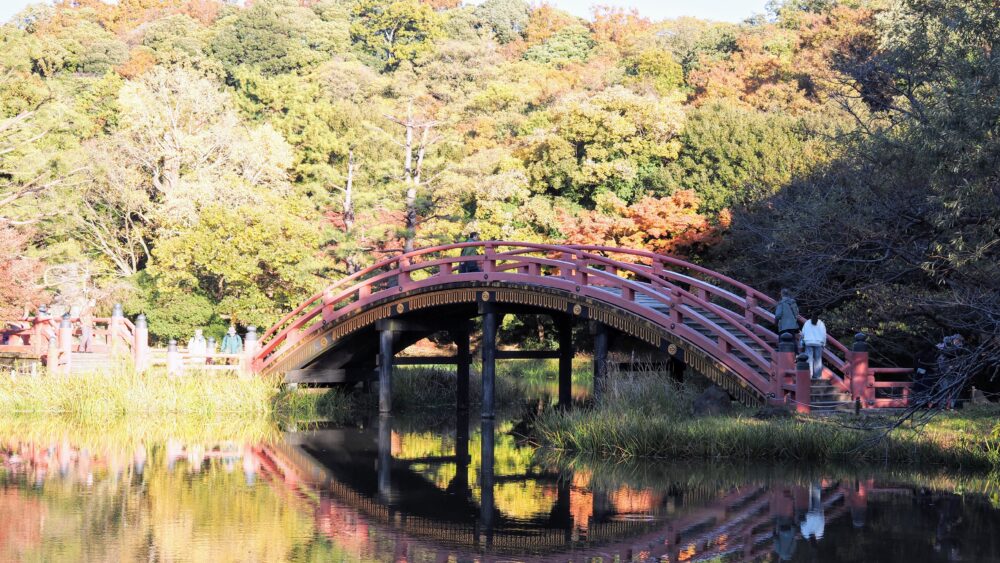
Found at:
(406, 264)
(721, 292)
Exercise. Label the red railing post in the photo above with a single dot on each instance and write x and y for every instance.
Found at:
(803, 385)
(748, 314)
(489, 257)
(65, 354)
(116, 329)
(140, 346)
(175, 364)
(250, 348)
(858, 370)
(784, 362)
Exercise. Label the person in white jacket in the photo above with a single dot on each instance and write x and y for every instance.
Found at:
(814, 340)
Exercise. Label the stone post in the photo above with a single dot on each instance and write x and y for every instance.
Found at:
(65, 354)
(140, 346)
(784, 362)
(175, 364)
(116, 329)
(250, 348)
(803, 385)
(858, 367)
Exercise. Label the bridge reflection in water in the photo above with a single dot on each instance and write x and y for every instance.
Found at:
(476, 498)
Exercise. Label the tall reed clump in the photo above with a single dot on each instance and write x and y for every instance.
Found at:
(124, 392)
(650, 416)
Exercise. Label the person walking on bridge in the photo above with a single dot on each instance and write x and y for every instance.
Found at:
(470, 267)
(814, 339)
(786, 313)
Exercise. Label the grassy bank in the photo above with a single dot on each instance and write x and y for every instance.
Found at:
(124, 392)
(648, 417)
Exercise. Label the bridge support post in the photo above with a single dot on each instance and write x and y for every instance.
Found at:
(461, 338)
(489, 345)
(858, 365)
(600, 358)
(784, 362)
(385, 354)
(803, 385)
(566, 351)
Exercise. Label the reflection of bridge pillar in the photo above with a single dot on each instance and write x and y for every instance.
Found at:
(600, 358)
(461, 482)
(564, 509)
(486, 502)
(385, 342)
(566, 351)
(385, 458)
(461, 338)
(489, 360)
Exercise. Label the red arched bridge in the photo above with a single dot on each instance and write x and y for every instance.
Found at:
(718, 326)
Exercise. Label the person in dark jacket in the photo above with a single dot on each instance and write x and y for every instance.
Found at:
(470, 267)
(786, 313)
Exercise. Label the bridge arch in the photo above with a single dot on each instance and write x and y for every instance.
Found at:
(721, 325)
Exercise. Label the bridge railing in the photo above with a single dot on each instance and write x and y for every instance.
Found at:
(575, 269)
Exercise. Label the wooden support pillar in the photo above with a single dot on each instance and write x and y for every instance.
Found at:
(461, 338)
(489, 346)
(600, 358)
(385, 354)
(566, 352)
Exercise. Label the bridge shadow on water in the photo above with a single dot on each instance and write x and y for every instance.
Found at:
(474, 492)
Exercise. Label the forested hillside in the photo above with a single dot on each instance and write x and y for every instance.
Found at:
(201, 161)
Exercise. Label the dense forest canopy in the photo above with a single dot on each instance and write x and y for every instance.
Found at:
(204, 162)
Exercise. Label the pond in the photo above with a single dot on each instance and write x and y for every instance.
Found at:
(448, 487)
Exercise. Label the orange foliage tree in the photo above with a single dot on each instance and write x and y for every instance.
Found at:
(668, 225)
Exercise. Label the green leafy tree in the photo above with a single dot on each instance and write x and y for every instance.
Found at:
(251, 262)
(733, 153)
(571, 44)
(507, 20)
(615, 141)
(274, 36)
(394, 31)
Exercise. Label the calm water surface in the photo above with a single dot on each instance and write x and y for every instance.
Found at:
(457, 489)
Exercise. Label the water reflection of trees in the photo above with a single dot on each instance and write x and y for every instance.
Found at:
(166, 502)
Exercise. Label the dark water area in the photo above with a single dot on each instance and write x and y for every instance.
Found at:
(451, 488)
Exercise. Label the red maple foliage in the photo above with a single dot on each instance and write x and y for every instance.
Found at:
(668, 225)
(18, 275)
